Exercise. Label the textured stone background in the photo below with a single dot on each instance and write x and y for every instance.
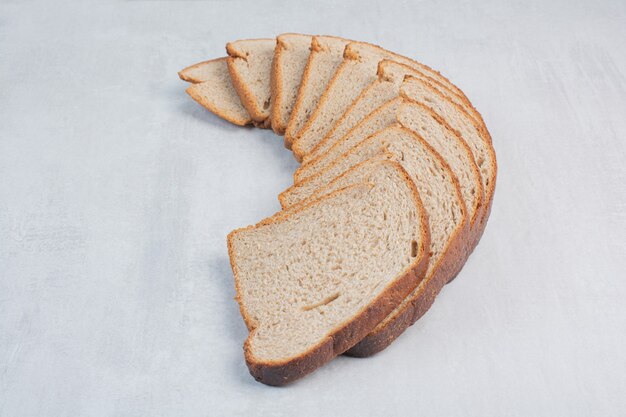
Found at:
(117, 192)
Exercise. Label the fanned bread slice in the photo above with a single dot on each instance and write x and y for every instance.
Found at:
(450, 145)
(290, 57)
(250, 66)
(379, 119)
(325, 57)
(385, 87)
(355, 73)
(448, 223)
(214, 90)
(474, 134)
(433, 129)
(314, 281)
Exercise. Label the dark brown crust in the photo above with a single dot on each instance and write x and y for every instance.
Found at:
(448, 266)
(380, 77)
(290, 136)
(281, 373)
(299, 153)
(216, 110)
(298, 177)
(477, 212)
(248, 99)
(383, 337)
(486, 138)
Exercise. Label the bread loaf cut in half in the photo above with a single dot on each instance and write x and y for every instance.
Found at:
(473, 133)
(385, 87)
(250, 66)
(355, 73)
(313, 281)
(325, 56)
(448, 223)
(290, 57)
(214, 90)
(379, 119)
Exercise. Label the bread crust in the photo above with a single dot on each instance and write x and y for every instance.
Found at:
(239, 121)
(461, 250)
(186, 73)
(346, 335)
(314, 154)
(449, 264)
(488, 146)
(316, 47)
(276, 113)
(246, 95)
(350, 55)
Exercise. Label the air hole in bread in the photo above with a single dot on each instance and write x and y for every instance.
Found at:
(413, 248)
(324, 302)
(266, 104)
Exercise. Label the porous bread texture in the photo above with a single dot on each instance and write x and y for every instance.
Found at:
(250, 66)
(432, 128)
(386, 86)
(325, 56)
(355, 73)
(361, 250)
(433, 177)
(214, 90)
(290, 57)
(474, 134)
(448, 223)
(451, 146)
(379, 119)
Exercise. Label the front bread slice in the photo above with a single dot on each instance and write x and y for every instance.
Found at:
(313, 281)
(214, 90)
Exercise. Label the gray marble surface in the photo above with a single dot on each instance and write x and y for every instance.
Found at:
(117, 192)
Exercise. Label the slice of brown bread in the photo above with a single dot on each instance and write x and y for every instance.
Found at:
(250, 66)
(433, 129)
(290, 58)
(360, 251)
(355, 73)
(214, 90)
(325, 57)
(379, 119)
(385, 87)
(448, 223)
(474, 133)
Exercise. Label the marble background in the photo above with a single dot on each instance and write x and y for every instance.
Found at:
(117, 192)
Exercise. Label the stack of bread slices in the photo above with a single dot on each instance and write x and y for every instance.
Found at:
(394, 190)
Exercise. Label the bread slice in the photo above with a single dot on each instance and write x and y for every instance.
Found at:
(355, 73)
(325, 57)
(386, 86)
(474, 133)
(379, 119)
(314, 281)
(250, 66)
(433, 129)
(214, 90)
(290, 57)
(448, 223)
